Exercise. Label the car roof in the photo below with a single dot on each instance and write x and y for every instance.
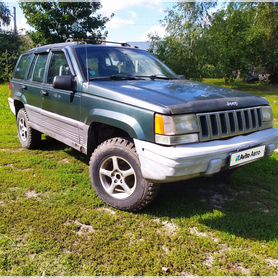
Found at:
(57, 46)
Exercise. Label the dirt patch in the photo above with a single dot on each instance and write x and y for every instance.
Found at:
(272, 262)
(32, 194)
(84, 230)
(196, 232)
(2, 203)
(209, 261)
(243, 270)
(169, 228)
(8, 166)
(64, 161)
(106, 210)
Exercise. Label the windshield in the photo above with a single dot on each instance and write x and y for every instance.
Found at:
(101, 62)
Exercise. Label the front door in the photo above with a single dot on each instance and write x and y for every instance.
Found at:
(61, 108)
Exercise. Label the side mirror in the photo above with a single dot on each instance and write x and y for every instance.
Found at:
(64, 82)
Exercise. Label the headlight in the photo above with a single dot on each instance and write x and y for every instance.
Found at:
(267, 114)
(174, 130)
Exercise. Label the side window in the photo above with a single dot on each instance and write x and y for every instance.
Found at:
(22, 66)
(30, 73)
(40, 67)
(58, 66)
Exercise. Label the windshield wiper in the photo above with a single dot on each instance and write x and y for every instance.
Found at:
(116, 77)
(153, 77)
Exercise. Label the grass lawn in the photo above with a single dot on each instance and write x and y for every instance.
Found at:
(52, 222)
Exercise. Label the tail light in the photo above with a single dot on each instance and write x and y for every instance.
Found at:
(11, 89)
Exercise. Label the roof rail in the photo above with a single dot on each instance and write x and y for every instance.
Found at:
(97, 41)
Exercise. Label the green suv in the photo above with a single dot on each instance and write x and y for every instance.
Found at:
(139, 122)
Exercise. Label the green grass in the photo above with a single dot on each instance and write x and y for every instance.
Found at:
(52, 223)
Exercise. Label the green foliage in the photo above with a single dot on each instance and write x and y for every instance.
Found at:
(185, 25)
(56, 21)
(11, 46)
(233, 39)
(5, 15)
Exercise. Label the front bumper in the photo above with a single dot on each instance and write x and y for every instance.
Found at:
(166, 164)
(11, 104)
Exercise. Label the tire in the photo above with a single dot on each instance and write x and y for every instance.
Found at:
(116, 176)
(29, 137)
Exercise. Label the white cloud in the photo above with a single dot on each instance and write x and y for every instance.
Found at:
(132, 14)
(112, 6)
(155, 29)
(117, 22)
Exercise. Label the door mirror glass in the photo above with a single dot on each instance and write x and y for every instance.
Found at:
(64, 82)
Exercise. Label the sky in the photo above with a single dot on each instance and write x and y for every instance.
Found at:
(133, 20)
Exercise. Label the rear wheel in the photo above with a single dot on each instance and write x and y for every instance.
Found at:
(116, 176)
(29, 137)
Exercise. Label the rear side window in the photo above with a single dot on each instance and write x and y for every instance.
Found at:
(22, 66)
(58, 66)
(40, 67)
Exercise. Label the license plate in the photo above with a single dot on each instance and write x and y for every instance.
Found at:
(247, 155)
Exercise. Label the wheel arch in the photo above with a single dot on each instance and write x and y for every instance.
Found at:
(18, 105)
(106, 124)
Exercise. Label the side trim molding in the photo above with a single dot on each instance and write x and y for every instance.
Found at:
(70, 132)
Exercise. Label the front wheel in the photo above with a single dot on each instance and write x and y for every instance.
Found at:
(116, 176)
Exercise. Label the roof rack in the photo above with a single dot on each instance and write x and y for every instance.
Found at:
(93, 41)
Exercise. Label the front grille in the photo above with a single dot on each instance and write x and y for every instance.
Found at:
(215, 125)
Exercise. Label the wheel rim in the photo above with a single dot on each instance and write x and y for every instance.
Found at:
(117, 177)
(22, 128)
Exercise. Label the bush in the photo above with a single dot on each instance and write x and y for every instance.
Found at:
(11, 46)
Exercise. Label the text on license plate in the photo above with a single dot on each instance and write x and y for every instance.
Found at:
(247, 155)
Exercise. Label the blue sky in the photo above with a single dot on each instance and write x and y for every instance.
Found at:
(132, 21)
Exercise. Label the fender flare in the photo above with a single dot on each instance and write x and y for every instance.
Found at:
(119, 120)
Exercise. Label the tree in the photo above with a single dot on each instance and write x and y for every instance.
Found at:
(220, 42)
(185, 24)
(56, 21)
(11, 46)
(264, 34)
(5, 15)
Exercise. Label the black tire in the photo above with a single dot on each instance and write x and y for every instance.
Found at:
(123, 151)
(31, 138)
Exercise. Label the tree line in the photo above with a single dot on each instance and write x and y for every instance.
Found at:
(206, 39)
(52, 22)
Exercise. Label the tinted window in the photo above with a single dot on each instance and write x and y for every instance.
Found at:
(58, 66)
(22, 66)
(40, 68)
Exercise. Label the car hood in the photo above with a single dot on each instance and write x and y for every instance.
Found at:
(174, 96)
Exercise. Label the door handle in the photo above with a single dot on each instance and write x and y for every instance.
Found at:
(44, 93)
(23, 87)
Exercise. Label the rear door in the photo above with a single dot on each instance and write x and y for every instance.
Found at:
(33, 87)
